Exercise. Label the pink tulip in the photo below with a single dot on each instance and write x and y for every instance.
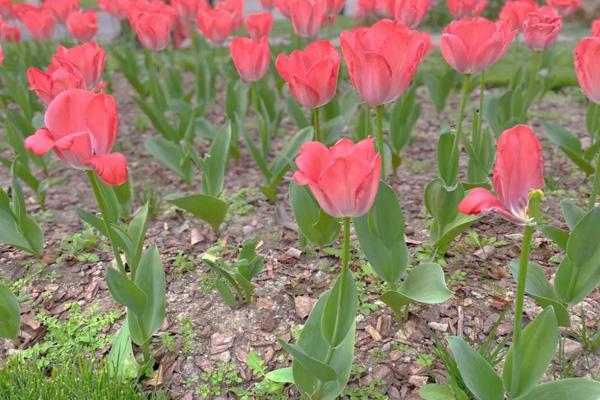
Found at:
(307, 16)
(9, 32)
(181, 32)
(366, 8)
(596, 27)
(335, 7)
(116, 8)
(267, 4)
(40, 24)
(283, 6)
(216, 24)
(61, 8)
(470, 45)
(60, 77)
(259, 25)
(20, 9)
(564, 7)
(411, 12)
(186, 9)
(541, 28)
(466, 8)
(6, 9)
(251, 57)
(343, 179)
(383, 59)
(587, 60)
(153, 30)
(519, 169)
(311, 74)
(236, 8)
(82, 25)
(1, 54)
(81, 129)
(89, 58)
(516, 11)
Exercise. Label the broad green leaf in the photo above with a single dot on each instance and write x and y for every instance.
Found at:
(313, 223)
(339, 312)
(441, 202)
(405, 113)
(126, 292)
(121, 355)
(297, 113)
(435, 391)
(282, 375)
(171, 155)
(10, 314)
(214, 166)
(10, 233)
(447, 159)
(557, 235)
(538, 344)
(322, 371)
(571, 212)
(447, 233)
(569, 144)
(478, 375)
(136, 230)
(209, 209)
(381, 235)
(575, 389)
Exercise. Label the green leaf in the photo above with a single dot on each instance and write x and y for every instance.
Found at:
(313, 223)
(215, 164)
(424, 284)
(569, 144)
(435, 391)
(170, 155)
(571, 212)
(150, 278)
(405, 113)
(538, 343)
(121, 355)
(478, 375)
(339, 312)
(441, 202)
(447, 159)
(209, 209)
(125, 291)
(282, 375)
(575, 388)
(297, 113)
(136, 230)
(557, 235)
(10, 314)
(322, 371)
(439, 87)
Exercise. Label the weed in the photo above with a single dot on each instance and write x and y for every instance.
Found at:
(187, 332)
(264, 389)
(370, 391)
(458, 278)
(182, 263)
(78, 246)
(377, 355)
(240, 202)
(214, 383)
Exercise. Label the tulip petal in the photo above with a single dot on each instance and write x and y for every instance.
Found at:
(102, 119)
(314, 157)
(455, 52)
(111, 168)
(482, 201)
(303, 93)
(372, 75)
(66, 114)
(340, 184)
(40, 142)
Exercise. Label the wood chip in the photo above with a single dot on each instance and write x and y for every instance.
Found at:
(373, 333)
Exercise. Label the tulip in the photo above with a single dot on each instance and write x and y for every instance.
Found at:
(366, 8)
(216, 24)
(385, 8)
(180, 32)
(596, 27)
(116, 8)
(587, 60)
(9, 32)
(383, 59)
(61, 8)
(1, 54)
(541, 28)
(259, 25)
(153, 30)
(40, 24)
(518, 170)
(6, 9)
(471, 45)
(60, 77)
(251, 57)
(267, 4)
(335, 7)
(411, 12)
(236, 8)
(186, 9)
(307, 16)
(564, 7)
(19, 10)
(89, 58)
(82, 25)
(343, 179)
(81, 129)
(466, 8)
(516, 11)
(284, 7)
(311, 74)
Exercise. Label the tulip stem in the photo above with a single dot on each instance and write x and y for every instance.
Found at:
(380, 143)
(461, 111)
(481, 96)
(316, 121)
(521, 281)
(103, 210)
(595, 185)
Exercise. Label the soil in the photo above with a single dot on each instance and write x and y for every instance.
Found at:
(293, 279)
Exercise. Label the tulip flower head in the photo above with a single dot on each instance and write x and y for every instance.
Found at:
(587, 62)
(20, 9)
(383, 59)
(89, 58)
(259, 25)
(564, 7)
(519, 169)
(267, 4)
(251, 57)
(186, 9)
(466, 8)
(470, 45)
(116, 8)
(308, 16)
(40, 24)
(343, 179)
(311, 74)
(61, 9)
(153, 29)
(81, 129)
(6, 9)
(216, 23)
(60, 76)
(1, 54)
(516, 11)
(9, 32)
(82, 25)
(541, 28)
(411, 12)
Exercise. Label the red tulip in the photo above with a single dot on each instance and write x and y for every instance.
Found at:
(470, 45)
(61, 8)
(366, 8)
(267, 4)
(516, 11)
(411, 12)
(307, 16)
(216, 24)
(20, 9)
(385, 8)
(311, 74)
(89, 58)
(236, 8)
(180, 32)
(60, 77)
(596, 27)
(541, 28)
(343, 179)
(587, 60)
(82, 25)
(335, 7)
(383, 59)
(40, 24)
(284, 7)
(153, 30)
(259, 25)
(116, 8)
(6, 9)
(81, 128)
(466, 8)
(251, 57)
(565, 7)
(9, 32)
(186, 9)
(519, 169)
